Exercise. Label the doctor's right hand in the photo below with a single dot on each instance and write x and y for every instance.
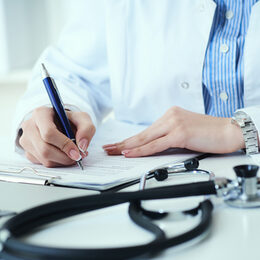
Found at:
(44, 144)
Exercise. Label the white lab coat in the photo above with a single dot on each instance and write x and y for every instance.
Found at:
(139, 57)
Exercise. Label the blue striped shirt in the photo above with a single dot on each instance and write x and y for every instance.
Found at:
(223, 87)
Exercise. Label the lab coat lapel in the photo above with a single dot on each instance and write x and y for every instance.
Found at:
(252, 59)
(192, 53)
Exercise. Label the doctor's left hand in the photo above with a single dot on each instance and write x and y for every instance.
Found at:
(179, 128)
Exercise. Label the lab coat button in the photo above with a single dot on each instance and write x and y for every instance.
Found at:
(224, 48)
(185, 85)
(229, 14)
(223, 95)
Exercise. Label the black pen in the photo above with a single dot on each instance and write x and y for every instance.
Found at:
(58, 107)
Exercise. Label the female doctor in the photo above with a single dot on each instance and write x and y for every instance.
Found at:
(182, 67)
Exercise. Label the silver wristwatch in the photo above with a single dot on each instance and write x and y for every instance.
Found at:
(249, 131)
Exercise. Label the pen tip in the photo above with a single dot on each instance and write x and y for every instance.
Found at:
(80, 165)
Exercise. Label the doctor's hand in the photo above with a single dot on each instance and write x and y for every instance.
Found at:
(44, 144)
(179, 128)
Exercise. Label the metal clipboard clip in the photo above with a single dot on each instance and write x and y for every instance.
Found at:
(27, 180)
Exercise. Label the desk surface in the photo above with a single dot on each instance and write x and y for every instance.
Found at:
(234, 232)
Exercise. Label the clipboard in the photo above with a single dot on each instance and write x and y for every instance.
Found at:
(38, 178)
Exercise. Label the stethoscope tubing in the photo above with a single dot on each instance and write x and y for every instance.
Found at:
(143, 219)
(19, 250)
(43, 214)
(31, 219)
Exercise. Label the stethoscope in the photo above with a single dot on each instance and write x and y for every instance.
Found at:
(188, 167)
(241, 192)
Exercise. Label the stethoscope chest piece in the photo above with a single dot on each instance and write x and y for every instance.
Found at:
(245, 194)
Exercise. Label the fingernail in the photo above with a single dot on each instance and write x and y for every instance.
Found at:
(74, 155)
(124, 152)
(84, 155)
(83, 145)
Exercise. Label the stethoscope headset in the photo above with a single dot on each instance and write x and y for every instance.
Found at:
(241, 192)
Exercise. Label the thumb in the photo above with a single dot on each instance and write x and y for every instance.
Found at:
(85, 129)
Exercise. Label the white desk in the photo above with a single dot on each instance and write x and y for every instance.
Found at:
(234, 232)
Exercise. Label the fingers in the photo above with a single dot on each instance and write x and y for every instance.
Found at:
(85, 129)
(153, 132)
(47, 163)
(31, 158)
(44, 120)
(37, 151)
(51, 156)
(155, 146)
(171, 124)
(45, 144)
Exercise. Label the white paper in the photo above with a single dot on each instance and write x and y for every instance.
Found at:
(100, 170)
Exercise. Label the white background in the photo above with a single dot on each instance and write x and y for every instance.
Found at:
(27, 27)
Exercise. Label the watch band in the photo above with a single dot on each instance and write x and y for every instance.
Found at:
(249, 131)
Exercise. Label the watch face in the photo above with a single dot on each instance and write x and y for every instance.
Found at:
(240, 114)
(241, 118)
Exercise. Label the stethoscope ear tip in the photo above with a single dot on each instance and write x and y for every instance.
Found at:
(191, 164)
(161, 174)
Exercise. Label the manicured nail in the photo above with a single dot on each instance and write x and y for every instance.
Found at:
(84, 155)
(124, 152)
(74, 155)
(83, 145)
